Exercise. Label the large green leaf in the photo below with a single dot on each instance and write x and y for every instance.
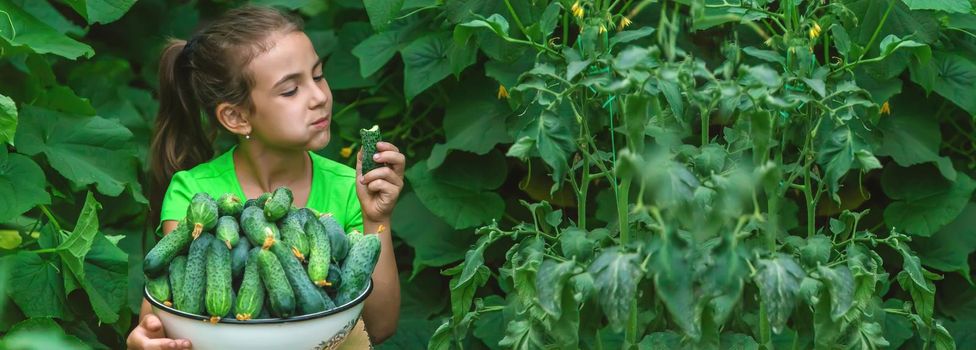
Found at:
(101, 11)
(85, 150)
(374, 52)
(841, 148)
(106, 279)
(8, 120)
(474, 121)
(22, 185)
(779, 281)
(461, 191)
(23, 29)
(950, 247)
(955, 77)
(957, 6)
(435, 242)
(840, 285)
(924, 201)
(911, 136)
(616, 275)
(425, 63)
(35, 285)
(41, 334)
(382, 12)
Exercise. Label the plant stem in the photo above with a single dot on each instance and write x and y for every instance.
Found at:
(622, 193)
(46, 250)
(891, 4)
(518, 22)
(50, 217)
(584, 188)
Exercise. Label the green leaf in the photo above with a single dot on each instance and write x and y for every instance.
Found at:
(101, 11)
(955, 75)
(85, 150)
(106, 279)
(41, 334)
(923, 296)
(474, 121)
(840, 285)
(552, 138)
(375, 51)
(575, 244)
(35, 285)
(952, 6)
(490, 326)
(23, 29)
(382, 12)
(551, 279)
(496, 23)
(892, 42)
(839, 147)
(616, 275)
(76, 246)
(949, 248)
(425, 63)
(627, 36)
(924, 201)
(435, 242)
(765, 55)
(8, 120)
(913, 267)
(22, 185)
(816, 250)
(779, 282)
(462, 190)
(911, 136)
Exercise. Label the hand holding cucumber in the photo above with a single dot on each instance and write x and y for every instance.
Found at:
(379, 186)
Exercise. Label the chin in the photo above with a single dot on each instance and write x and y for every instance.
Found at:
(319, 142)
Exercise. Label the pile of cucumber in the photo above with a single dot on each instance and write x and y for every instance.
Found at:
(262, 258)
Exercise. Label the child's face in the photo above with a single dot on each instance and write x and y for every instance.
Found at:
(292, 100)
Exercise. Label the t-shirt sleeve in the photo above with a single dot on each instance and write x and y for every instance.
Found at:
(354, 212)
(177, 197)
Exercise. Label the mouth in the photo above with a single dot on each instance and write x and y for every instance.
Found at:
(321, 122)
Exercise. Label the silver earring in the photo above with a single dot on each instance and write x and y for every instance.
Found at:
(247, 137)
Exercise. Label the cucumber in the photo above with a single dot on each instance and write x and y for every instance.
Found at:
(293, 235)
(358, 266)
(337, 237)
(229, 205)
(195, 279)
(219, 281)
(278, 204)
(259, 231)
(250, 297)
(238, 257)
(166, 249)
(265, 309)
(370, 137)
(228, 231)
(177, 274)
(280, 293)
(334, 279)
(202, 213)
(159, 288)
(320, 254)
(233, 305)
(307, 296)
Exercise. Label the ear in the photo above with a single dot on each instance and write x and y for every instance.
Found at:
(234, 118)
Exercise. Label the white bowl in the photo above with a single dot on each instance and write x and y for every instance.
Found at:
(320, 330)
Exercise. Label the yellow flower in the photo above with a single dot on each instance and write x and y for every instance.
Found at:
(815, 31)
(602, 29)
(346, 152)
(885, 108)
(577, 10)
(624, 22)
(502, 93)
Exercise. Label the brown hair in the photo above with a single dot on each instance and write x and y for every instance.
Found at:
(200, 74)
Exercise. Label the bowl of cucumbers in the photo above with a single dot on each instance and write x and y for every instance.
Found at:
(260, 274)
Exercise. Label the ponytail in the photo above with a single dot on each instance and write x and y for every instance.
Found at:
(179, 140)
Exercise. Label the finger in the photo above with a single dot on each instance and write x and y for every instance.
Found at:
(393, 159)
(166, 344)
(382, 186)
(359, 165)
(386, 146)
(383, 173)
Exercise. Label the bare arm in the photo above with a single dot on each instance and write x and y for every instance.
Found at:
(382, 310)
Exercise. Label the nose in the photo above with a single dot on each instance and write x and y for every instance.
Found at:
(320, 95)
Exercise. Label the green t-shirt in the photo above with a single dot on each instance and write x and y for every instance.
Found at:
(333, 188)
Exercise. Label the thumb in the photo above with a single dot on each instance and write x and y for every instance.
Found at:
(153, 326)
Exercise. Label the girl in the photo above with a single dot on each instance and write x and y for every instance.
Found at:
(255, 73)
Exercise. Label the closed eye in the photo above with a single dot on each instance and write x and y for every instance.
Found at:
(290, 93)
